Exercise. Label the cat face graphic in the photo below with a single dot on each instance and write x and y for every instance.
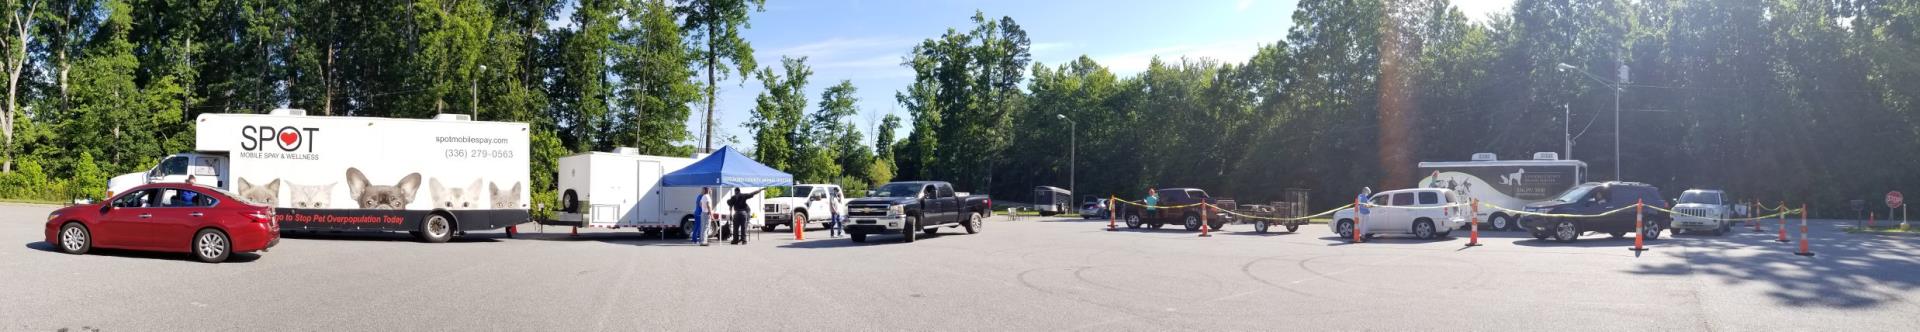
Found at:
(509, 199)
(369, 196)
(454, 197)
(268, 195)
(310, 197)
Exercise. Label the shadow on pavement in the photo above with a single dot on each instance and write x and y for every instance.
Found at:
(1847, 271)
(184, 257)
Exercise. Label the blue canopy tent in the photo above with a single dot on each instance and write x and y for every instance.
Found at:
(727, 168)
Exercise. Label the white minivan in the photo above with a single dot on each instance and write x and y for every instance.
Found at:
(1425, 213)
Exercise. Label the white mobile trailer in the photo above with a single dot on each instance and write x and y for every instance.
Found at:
(623, 189)
(433, 176)
(1510, 184)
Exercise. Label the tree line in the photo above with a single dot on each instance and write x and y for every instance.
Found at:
(1794, 100)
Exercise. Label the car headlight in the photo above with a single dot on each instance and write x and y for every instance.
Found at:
(896, 209)
(51, 217)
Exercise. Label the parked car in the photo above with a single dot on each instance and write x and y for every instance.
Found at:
(808, 203)
(205, 221)
(907, 208)
(1702, 210)
(1425, 213)
(1094, 208)
(1168, 211)
(1597, 199)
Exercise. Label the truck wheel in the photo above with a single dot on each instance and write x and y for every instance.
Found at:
(436, 228)
(1193, 222)
(1291, 228)
(1501, 222)
(799, 221)
(1566, 231)
(908, 230)
(859, 237)
(1215, 226)
(1344, 228)
(1652, 230)
(1260, 227)
(1133, 221)
(75, 239)
(1423, 229)
(974, 222)
(212, 246)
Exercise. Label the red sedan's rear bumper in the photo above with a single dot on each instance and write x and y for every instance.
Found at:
(253, 237)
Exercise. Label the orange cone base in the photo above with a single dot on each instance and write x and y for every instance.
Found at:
(1474, 244)
(1808, 254)
(1637, 249)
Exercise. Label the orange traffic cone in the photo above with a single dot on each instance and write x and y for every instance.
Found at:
(1639, 224)
(1756, 221)
(1803, 232)
(1356, 219)
(1473, 225)
(576, 231)
(1112, 216)
(1783, 224)
(511, 230)
(1205, 209)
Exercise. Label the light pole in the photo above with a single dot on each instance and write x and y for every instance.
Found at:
(474, 91)
(1073, 147)
(1616, 111)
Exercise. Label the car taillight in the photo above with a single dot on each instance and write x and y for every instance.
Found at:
(260, 216)
(989, 203)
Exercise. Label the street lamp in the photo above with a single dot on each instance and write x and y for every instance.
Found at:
(1073, 147)
(1616, 110)
(474, 91)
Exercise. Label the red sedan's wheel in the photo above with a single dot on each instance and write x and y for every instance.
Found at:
(211, 246)
(75, 239)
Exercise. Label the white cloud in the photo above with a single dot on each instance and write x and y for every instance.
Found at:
(1242, 5)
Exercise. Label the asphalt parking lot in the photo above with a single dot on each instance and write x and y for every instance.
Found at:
(1031, 274)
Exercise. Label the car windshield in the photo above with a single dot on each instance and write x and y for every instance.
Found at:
(1574, 194)
(1699, 197)
(798, 191)
(897, 190)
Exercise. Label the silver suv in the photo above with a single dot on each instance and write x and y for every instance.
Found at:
(1702, 210)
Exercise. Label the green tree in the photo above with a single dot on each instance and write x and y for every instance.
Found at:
(655, 81)
(715, 26)
(777, 119)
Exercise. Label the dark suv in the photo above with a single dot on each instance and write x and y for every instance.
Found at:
(1591, 199)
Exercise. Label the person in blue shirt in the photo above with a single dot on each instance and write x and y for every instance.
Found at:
(186, 196)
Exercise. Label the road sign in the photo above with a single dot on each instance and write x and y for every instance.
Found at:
(1894, 200)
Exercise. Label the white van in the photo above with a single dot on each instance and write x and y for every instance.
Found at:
(432, 177)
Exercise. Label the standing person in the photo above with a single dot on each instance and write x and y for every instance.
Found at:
(702, 206)
(833, 225)
(740, 209)
(1153, 203)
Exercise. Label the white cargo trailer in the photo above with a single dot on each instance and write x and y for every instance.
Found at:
(433, 177)
(1510, 184)
(623, 189)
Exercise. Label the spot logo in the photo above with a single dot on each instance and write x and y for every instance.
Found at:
(288, 138)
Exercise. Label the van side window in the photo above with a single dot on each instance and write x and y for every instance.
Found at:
(1429, 198)
(1403, 199)
(174, 166)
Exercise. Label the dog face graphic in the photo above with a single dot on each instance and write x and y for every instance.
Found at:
(381, 197)
(310, 197)
(268, 195)
(509, 199)
(455, 198)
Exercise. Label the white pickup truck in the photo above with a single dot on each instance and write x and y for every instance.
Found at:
(1425, 213)
(808, 203)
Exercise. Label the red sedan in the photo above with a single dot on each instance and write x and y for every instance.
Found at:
(171, 217)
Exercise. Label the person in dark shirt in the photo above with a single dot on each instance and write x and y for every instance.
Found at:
(740, 213)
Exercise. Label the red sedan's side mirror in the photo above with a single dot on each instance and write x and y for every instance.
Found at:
(106, 207)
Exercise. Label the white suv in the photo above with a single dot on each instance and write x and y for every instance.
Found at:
(1425, 213)
(1702, 210)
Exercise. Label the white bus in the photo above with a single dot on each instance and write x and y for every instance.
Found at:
(1510, 184)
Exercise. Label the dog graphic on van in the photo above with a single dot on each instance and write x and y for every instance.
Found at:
(1513, 179)
(369, 196)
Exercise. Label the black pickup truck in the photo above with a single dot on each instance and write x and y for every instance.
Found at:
(907, 208)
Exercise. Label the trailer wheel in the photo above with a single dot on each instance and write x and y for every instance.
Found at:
(570, 202)
(436, 228)
(1260, 227)
(1293, 228)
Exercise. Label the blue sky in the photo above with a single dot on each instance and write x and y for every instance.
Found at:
(865, 40)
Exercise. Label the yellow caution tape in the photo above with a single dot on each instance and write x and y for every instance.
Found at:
(1770, 216)
(1316, 215)
(1556, 215)
(1160, 206)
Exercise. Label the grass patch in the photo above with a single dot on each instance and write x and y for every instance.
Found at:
(1883, 230)
(31, 201)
